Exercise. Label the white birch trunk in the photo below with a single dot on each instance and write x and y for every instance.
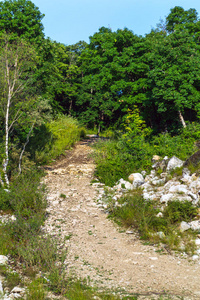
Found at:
(5, 164)
(181, 119)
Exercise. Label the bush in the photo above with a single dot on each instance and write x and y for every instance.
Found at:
(52, 139)
(177, 211)
(133, 151)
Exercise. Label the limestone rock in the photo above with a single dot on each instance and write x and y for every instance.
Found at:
(181, 188)
(3, 260)
(195, 225)
(159, 215)
(156, 158)
(184, 226)
(1, 288)
(166, 198)
(137, 179)
(197, 242)
(124, 184)
(174, 163)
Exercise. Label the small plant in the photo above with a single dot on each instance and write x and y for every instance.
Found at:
(177, 211)
(63, 196)
(36, 290)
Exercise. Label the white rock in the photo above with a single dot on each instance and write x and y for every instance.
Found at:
(1, 288)
(170, 183)
(184, 226)
(152, 173)
(186, 172)
(193, 196)
(195, 257)
(182, 188)
(13, 218)
(156, 158)
(137, 179)
(174, 163)
(197, 242)
(3, 260)
(159, 215)
(146, 186)
(166, 198)
(18, 290)
(195, 186)
(144, 173)
(128, 186)
(147, 178)
(150, 196)
(129, 232)
(161, 234)
(157, 181)
(195, 225)
(182, 198)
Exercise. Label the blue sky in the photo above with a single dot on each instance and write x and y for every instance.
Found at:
(69, 21)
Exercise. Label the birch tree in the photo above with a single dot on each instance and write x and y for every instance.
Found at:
(17, 60)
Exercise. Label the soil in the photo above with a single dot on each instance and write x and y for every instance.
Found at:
(100, 251)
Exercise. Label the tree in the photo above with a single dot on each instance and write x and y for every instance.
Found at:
(111, 68)
(19, 109)
(174, 79)
(22, 18)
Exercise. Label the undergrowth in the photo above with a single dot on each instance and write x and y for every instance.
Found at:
(52, 139)
(133, 211)
(133, 150)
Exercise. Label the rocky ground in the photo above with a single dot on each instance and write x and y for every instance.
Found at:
(98, 250)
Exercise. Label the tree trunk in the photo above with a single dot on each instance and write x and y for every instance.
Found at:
(5, 163)
(181, 119)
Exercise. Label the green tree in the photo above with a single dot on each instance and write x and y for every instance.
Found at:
(22, 18)
(174, 78)
(111, 76)
(20, 110)
(178, 16)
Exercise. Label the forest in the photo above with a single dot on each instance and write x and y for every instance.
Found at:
(140, 92)
(115, 78)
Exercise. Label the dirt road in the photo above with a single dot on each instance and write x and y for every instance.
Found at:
(98, 249)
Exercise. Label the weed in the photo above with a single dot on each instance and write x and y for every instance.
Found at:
(36, 290)
(63, 196)
(177, 211)
(142, 215)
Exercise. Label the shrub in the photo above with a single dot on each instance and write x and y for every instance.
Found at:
(52, 139)
(177, 211)
(133, 151)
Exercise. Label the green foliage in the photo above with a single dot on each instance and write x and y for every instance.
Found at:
(21, 17)
(12, 278)
(36, 290)
(133, 151)
(51, 140)
(140, 214)
(177, 211)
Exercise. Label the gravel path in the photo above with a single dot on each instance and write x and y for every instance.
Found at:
(98, 249)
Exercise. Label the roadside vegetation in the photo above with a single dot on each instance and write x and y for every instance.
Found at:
(144, 90)
(135, 213)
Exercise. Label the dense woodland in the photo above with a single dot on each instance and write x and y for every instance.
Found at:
(132, 84)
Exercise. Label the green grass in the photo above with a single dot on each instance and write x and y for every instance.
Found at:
(52, 139)
(141, 215)
(127, 153)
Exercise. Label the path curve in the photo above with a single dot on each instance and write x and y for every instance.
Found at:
(97, 249)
